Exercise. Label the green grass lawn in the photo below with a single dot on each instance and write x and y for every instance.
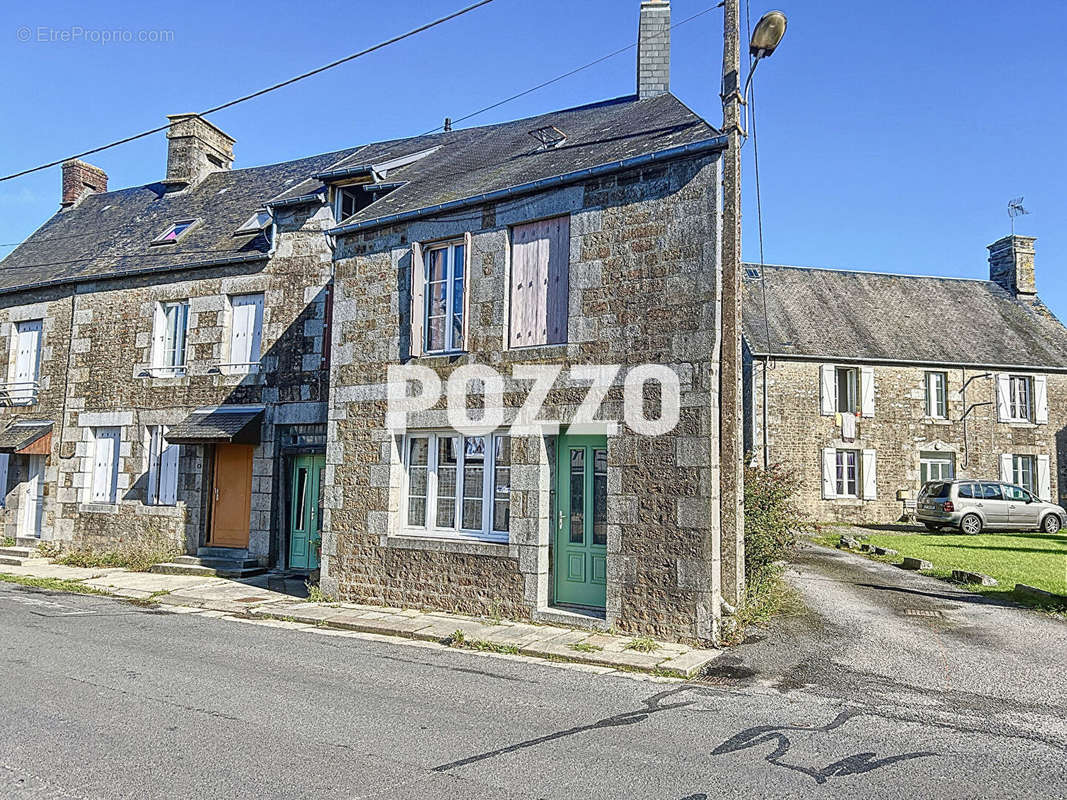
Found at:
(1036, 559)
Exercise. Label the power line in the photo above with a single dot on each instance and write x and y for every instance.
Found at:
(261, 92)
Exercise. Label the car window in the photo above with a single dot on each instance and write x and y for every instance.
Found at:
(1016, 493)
(939, 489)
(966, 490)
(991, 491)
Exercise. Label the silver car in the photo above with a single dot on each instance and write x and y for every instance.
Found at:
(973, 505)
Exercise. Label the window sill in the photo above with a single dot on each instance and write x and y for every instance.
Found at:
(937, 421)
(1020, 423)
(447, 544)
(163, 372)
(98, 508)
(152, 510)
(443, 355)
(538, 350)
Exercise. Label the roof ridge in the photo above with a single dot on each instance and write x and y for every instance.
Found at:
(867, 272)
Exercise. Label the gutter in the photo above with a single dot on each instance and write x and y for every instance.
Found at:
(297, 201)
(826, 359)
(715, 143)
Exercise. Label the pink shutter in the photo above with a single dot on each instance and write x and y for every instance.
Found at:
(468, 278)
(558, 279)
(418, 290)
(520, 256)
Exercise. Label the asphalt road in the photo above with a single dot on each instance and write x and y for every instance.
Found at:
(860, 697)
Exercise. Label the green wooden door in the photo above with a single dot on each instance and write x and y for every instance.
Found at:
(305, 520)
(581, 521)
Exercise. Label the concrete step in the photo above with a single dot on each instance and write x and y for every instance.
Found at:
(14, 561)
(223, 552)
(18, 552)
(217, 563)
(173, 568)
(26, 541)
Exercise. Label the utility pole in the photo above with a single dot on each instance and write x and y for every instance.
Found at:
(731, 442)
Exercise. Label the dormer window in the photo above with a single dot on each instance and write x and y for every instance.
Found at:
(255, 223)
(175, 232)
(349, 200)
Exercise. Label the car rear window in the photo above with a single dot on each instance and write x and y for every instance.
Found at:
(937, 489)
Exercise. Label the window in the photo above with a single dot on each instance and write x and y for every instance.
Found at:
(255, 223)
(1019, 396)
(27, 362)
(969, 490)
(1024, 472)
(937, 395)
(246, 331)
(540, 265)
(990, 491)
(105, 465)
(848, 379)
(847, 473)
(457, 486)
(1016, 495)
(936, 467)
(170, 337)
(349, 201)
(175, 232)
(444, 266)
(162, 487)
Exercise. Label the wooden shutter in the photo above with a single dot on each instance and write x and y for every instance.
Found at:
(1003, 389)
(168, 470)
(154, 444)
(3, 479)
(105, 466)
(558, 281)
(523, 270)
(255, 343)
(159, 339)
(870, 475)
(1041, 399)
(418, 301)
(827, 390)
(27, 360)
(829, 473)
(1044, 484)
(468, 279)
(867, 391)
(1006, 468)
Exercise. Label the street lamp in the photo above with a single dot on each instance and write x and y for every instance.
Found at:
(765, 40)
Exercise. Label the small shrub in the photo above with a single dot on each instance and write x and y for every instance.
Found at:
(771, 520)
(136, 555)
(316, 595)
(585, 647)
(9, 541)
(642, 644)
(457, 639)
(49, 550)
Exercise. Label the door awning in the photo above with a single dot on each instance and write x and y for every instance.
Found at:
(219, 425)
(33, 437)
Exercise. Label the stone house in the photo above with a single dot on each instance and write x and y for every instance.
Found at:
(867, 384)
(166, 362)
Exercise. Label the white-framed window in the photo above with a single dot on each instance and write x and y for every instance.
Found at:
(105, 485)
(1019, 398)
(848, 389)
(246, 331)
(23, 387)
(540, 266)
(162, 489)
(1024, 472)
(457, 486)
(937, 395)
(348, 200)
(170, 337)
(936, 466)
(847, 473)
(1032, 472)
(1022, 398)
(444, 295)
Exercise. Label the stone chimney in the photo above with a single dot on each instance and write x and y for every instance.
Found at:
(1011, 264)
(654, 49)
(79, 181)
(195, 149)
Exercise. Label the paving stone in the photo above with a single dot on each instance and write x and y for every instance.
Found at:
(690, 663)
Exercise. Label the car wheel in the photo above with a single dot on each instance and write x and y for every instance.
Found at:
(1051, 524)
(931, 526)
(971, 524)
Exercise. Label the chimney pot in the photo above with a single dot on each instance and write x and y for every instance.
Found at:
(1011, 264)
(654, 49)
(195, 149)
(81, 179)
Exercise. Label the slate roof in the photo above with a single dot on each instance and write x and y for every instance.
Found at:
(19, 435)
(110, 234)
(239, 424)
(854, 315)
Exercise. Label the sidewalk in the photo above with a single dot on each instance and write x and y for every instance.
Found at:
(250, 599)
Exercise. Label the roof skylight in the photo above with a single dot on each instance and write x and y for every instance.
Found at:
(255, 223)
(175, 232)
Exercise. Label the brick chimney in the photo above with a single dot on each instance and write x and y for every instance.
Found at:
(654, 49)
(1011, 264)
(195, 149)
(80, 180)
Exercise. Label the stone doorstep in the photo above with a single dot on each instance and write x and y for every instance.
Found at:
(530, 640)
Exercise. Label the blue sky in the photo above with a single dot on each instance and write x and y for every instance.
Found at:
(892, 135)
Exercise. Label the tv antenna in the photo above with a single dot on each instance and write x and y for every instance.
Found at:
(1015, 209)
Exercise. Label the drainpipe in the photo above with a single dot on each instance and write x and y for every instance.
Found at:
(766, 437)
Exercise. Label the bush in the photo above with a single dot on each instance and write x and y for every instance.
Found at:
(136, 555)
(771, 521)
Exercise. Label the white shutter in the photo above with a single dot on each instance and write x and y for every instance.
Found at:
(256, 337)
(418, 294)
(1003, 388)
(168, 471)
(27, 360)
(159, 336)
(867, 391)
(468, 278)
(105, 465)
(3, 479)
(154, 442)
(1006, 468)
(1041, 398)
(829, 473)
(239, 331)
(827, 390)
(1044, 486)
(870, 475)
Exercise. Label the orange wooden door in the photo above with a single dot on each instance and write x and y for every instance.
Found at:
(233, 495)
